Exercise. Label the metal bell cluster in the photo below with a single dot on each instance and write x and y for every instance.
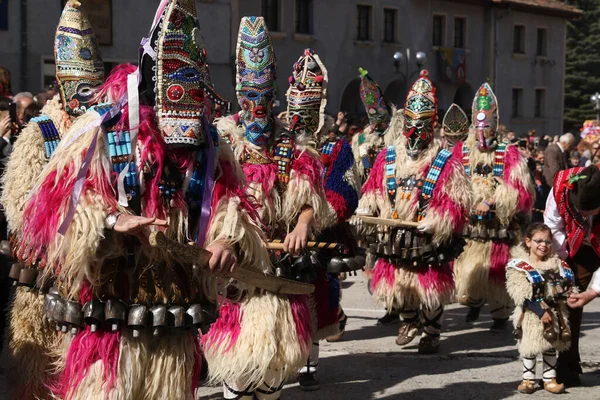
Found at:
(302, 268)
(485, 230)
(22, 276)
(114, 314)
(338, 265)
(411, 246)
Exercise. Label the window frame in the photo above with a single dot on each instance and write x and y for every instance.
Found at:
(465, 31)
(370, 22)
(519, 105)
(395, 12)
(540, 112)
(279, 15)
(545, 45)
(444, 31)
(523, 40)
(310, 18)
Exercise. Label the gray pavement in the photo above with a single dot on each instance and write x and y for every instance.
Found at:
(473, 363)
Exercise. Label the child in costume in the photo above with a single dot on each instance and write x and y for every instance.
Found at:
(539, 283)
(31, 340)
(502, 190)
(285, 176)
(305, 115)
(146, 161)
(417, 182)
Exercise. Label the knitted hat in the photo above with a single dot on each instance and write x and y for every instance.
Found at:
(584, 193)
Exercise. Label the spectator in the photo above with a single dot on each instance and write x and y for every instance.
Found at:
(541, 193)
(511, 137)
(32, 111)
(556, 156)
(585, 149)
(574, 159)
(23, 100)
(572, 205)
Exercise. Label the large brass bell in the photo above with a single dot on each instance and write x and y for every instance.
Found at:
(194, 316)
(176, 317)
(159, 319)
(336, 266)
(73, 316)
(28, 277)
(93, 314)
(115, 313)
(15, 272)
(137, 319)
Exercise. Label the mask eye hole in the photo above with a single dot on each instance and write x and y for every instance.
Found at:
(253, 95)
(85, 91)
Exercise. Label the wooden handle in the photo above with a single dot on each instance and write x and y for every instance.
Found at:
(278, 245)
(191, 254)
(388, 222)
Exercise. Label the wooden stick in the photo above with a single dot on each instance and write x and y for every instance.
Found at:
(387, 222)
(278, 245)
(194, 254)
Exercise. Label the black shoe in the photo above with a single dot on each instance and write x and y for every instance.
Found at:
(389, 319)
(568, 373)
(429, 345)
(499, 325)
(308, 382)
(473, 314)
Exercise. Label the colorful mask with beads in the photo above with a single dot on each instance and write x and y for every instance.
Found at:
(420, 112)
(79, 67)
(485, 118)
(307, 95)
(372, 98)
(177, 79)
(256, 79)
(456, 125)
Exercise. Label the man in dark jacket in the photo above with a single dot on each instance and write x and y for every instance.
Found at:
(556, 156)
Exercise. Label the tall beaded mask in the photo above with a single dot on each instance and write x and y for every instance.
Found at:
(79, 67)
(372, 98)
(485, 118)
(420, 113)
(256, 79)
(176, 78)
(306, 95)
(455, 125)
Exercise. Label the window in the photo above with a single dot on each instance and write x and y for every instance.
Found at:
(460, 32)
(519, 39)
(364, 22)
(304, 16)
(517, 103)
(540, 102)
(389, 25)
(542, 34)
(270, 11)
(439, 28)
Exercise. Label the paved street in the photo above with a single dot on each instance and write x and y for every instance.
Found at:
(473, 363)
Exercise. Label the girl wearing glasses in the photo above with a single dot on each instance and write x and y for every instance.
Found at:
(539, 283)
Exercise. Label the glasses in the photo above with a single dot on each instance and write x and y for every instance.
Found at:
(540, 241)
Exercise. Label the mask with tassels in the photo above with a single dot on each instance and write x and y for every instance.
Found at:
(307, 95)
(79, 67)
(377, 110)
(485, 118)
(420, 113)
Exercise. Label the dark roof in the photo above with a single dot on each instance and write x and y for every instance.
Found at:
(551, 7)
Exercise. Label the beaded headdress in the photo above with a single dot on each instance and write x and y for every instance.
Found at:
(79, 67)
(307, 94)
(372, 98)
(455, 124)
(176, 77)
(420, 114)
(256, 79)
(485, 117)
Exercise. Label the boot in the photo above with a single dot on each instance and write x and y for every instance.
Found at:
(554, 387)
(429, 345)
(526, 387)
(473, 314)
(407, 333)
(389, 318)
(499, 325)
(308, 382)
